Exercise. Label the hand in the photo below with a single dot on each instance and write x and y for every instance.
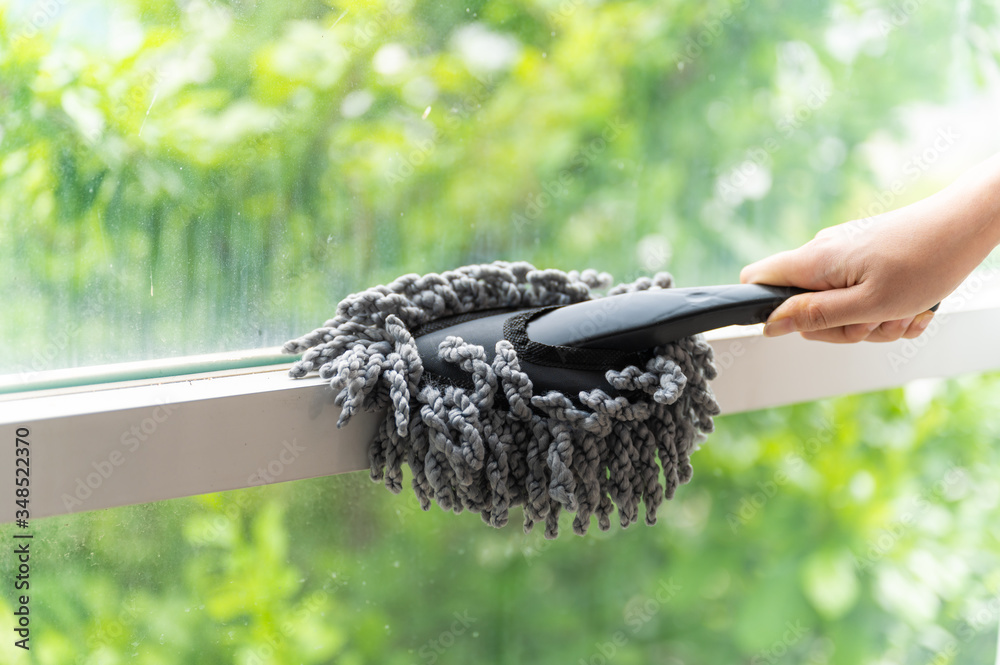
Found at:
(876, 278)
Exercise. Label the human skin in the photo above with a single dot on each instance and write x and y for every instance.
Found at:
(875, 279)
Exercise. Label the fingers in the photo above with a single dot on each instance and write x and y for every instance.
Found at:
(890, 331)
(820, 310)
(851, 334)
(919, 325)
(849, 287)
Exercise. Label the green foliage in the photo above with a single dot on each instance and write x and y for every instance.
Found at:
(207, 176)
(856, 530)
(204, 177)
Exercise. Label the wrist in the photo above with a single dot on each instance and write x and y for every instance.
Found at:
(977, 195)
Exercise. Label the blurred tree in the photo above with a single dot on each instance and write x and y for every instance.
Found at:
(205, 176)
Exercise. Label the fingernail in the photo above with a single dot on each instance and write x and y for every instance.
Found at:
(907, 322)
(870, 327)
(923, 320)
(779, 327)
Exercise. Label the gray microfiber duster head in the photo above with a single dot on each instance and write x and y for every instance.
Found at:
(481, 437)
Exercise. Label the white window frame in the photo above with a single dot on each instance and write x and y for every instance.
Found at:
(118, 441)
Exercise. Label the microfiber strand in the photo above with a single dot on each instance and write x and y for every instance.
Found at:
(495, 444)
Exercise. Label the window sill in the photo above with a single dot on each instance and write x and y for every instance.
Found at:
(130, 441)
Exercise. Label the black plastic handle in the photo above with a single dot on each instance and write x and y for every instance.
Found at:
(644, 319)
(630, 322)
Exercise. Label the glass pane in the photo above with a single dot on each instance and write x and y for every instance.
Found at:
(858, 530)
(210, 176)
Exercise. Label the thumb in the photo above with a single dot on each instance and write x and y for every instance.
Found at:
(817, 310)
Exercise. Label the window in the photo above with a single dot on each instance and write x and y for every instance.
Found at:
(208, 177)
